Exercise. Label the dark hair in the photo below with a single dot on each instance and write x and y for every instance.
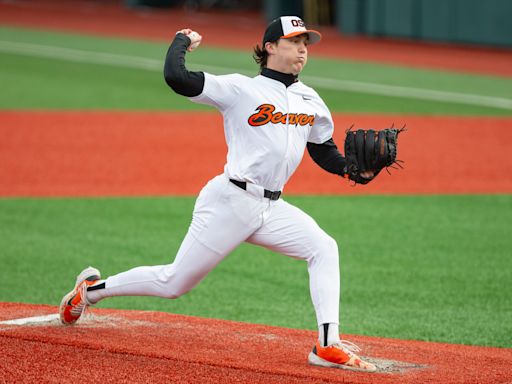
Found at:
(260, 56)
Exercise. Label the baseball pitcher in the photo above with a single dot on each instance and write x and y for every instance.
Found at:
(269, 121)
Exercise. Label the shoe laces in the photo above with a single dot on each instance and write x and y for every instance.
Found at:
(84, 295)
(81, 307)
(347, 346)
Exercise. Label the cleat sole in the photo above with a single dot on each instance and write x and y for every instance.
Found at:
(314, 359)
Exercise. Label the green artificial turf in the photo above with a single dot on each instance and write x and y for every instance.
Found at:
(34, 75)
(430, 267)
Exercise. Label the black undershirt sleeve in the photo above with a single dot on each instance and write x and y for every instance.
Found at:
(176, 75)
(328, 157)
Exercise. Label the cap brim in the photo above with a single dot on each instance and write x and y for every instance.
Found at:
(313, 36)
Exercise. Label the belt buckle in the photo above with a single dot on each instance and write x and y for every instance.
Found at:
(274, 195)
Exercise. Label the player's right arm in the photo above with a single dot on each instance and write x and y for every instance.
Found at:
(221, 92)
(181, 80)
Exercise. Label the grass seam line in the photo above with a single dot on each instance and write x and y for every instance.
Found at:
(137, 62)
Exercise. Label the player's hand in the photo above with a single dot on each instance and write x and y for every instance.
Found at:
(367, 174)
(195, 38)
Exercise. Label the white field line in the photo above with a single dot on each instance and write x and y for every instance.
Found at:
(31, 320)
(137, 62)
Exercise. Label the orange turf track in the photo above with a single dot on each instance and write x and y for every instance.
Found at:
(109, 153)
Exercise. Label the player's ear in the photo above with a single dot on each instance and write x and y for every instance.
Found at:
(271, 47)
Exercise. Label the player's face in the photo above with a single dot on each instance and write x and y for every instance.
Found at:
(289, 55)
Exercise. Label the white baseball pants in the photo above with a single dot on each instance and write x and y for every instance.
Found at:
(224, 217)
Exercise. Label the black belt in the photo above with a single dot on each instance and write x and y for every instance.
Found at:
(272, 195)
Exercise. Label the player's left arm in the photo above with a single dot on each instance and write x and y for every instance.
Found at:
(321, 146)
(327, 156)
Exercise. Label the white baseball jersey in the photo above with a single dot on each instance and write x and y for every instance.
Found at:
(266, 124)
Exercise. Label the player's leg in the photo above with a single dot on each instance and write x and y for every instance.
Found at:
(224, 216)
(193, 262)
(218, 226)
(290, 231)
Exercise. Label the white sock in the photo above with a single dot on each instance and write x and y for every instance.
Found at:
(96, 294)
(328, 334)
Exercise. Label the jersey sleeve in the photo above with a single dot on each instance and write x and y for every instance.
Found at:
(323, 128)
(220, 91)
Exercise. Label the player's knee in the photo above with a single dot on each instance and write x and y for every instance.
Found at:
(331, 247)
(326, 249)
(175, 289)
(172, 295)
(178, 288)
(171, 285)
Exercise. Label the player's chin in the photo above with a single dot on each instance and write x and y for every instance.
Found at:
(297, 68)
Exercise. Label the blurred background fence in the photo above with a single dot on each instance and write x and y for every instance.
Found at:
(456, 21)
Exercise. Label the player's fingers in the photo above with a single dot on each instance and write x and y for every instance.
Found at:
(185, 31)
(367, 174)
(195, 40)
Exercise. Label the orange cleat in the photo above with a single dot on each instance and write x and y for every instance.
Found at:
(75, 302)
(340, 355)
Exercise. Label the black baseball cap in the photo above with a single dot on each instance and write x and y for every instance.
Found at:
(285, 27)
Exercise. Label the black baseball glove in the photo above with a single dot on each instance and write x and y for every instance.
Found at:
(367, 152)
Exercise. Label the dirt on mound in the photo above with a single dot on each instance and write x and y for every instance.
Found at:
(113, 346)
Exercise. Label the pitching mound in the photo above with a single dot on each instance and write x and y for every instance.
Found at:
(135, 346)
